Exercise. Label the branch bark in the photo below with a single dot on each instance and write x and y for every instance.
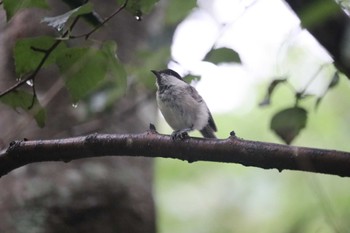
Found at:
(151, 144)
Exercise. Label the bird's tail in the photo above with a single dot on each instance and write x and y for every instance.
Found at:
(207, 132)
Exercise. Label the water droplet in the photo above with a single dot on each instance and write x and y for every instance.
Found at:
(75, 105)
(60, 27)
(18, 79)
(138, 17)
(29, 82)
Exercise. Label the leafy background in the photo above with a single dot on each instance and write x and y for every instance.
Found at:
(208, 197)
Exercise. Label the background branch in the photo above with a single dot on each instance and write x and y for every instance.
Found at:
(330, 32)
(151, 144)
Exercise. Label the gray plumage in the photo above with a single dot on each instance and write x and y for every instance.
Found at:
(181, 105)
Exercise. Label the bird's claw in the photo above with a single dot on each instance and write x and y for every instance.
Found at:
(179, 135)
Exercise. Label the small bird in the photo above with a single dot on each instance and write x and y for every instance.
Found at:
(182, 107)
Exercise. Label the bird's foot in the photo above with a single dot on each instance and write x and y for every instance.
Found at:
(179, 135)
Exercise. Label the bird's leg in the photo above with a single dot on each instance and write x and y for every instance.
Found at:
(181, 134)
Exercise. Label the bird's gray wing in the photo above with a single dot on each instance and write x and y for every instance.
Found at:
(194, 93)
(197, 97)
(211, 122)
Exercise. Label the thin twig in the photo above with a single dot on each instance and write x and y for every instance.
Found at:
(34, 93)
(38, 49)
(87, 35)
(320, 68)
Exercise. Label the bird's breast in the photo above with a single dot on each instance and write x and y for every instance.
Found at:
(181, 110)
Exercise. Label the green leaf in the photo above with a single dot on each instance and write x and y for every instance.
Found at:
(85, 69)
(270, 89)
(115, 68)
(27, 60)
(221, 55)
(139, 7)
(60, 21)
(21, 99)
(288, 123)
(12, 6)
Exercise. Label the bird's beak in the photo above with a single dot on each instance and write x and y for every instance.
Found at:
(156, 73)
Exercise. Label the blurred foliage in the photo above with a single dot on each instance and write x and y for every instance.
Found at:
(221, 55)
(318, 12)
(59, 22)
(288, 122)
(275, 83)
(93, 17)
(139, 7)
(27, 57)
(27, 102)
(145, 61)
(12, 7)
(84, 70)
(176, 11)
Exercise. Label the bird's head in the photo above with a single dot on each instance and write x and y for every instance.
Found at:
(168, 77)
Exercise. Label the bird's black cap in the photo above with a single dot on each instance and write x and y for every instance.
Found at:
(168, 72)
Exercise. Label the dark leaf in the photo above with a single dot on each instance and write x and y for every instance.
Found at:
(267, 100)
(333, 83)
(288, 123)
(318, 101)
(23, 100)
(12, 6)
(221, 55)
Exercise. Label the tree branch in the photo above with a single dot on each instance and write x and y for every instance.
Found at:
(152, 144)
